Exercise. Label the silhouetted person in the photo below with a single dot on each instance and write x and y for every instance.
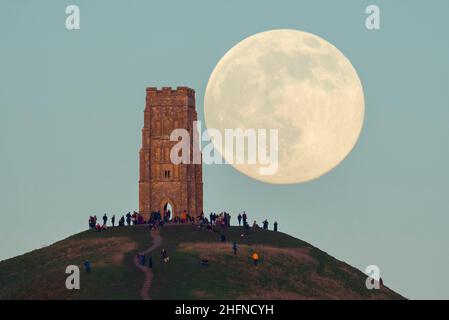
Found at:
(244, 217)
(128, 218)
(91, 222)
(168, 215)
(142, 259)
(265, 224)
(164, 255)
(113, 220)
(275, 226)
(239, 218)
(87, 266)
(105, 219)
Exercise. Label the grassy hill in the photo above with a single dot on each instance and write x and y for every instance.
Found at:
(289, 268)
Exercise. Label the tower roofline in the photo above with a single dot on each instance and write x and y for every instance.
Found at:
(171, 91)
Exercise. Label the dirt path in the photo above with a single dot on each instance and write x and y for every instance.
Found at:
(145, 291)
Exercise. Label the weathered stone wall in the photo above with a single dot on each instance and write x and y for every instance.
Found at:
(161, 181)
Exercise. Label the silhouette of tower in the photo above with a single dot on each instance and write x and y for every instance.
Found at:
(162, 182)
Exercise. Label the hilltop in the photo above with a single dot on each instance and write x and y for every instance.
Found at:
(289, 268)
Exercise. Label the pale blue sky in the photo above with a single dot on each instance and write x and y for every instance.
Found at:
(71, 107)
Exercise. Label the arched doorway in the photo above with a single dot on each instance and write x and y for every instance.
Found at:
(167, 210)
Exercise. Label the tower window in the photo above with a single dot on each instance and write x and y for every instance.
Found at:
(166, 173)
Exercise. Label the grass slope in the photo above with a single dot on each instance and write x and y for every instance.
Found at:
(40, 274)
(289, 268)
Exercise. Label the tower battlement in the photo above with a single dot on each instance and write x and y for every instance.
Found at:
(169, 91)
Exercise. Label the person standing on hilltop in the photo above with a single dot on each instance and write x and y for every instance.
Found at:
(244, 217)
(239, 218)
(87, 266)
(265, 224)
(255, 258)
(142, 260)
(128, 218)
(113, 220)
(164, 256)
(91, 223)
(105, 219)
(168, 216)
(225, 220)
(275, 226)
(133, 218)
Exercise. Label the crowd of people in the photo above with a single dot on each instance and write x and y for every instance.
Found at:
(214, 223)
(223, 219)
(127, 219)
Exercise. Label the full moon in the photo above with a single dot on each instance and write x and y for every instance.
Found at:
(295, 82)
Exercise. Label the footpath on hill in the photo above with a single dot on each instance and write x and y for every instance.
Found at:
(145, 291)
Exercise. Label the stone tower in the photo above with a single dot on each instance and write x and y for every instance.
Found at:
(162, 182)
